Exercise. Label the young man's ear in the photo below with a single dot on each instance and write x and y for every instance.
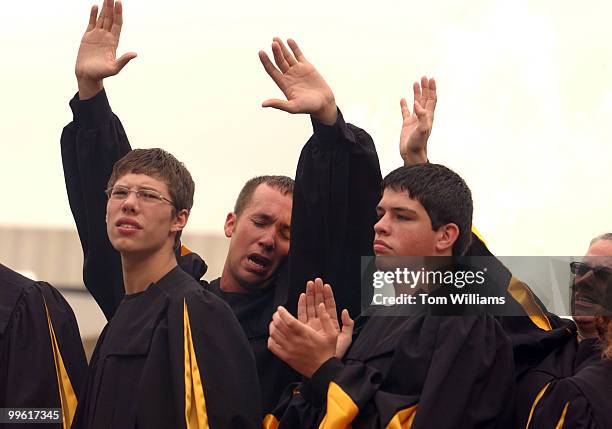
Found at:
(230, 224)
(180, 220)
(446, 237)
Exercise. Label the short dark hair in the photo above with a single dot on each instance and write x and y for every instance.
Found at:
(283, 183)
(162, 165)
(442, 192)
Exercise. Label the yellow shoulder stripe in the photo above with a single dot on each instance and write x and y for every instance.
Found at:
(479, 235)
(185, 250)
(524, 296)
(403, 419)
(341, 410)
(270, 422)
(535, 403)
(561, 421)
(68, 399)
(196, 416)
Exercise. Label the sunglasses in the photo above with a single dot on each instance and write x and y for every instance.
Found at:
(603, 274)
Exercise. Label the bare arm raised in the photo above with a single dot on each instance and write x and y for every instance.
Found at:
(97, 57)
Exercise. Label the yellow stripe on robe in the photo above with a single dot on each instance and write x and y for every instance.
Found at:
(521, 293)
(524, 296)
(67, 397)
(479, 235)
(270, 422)
(341, 410)
(403, 418)
(196, 416)
(561, 421)
(535, 403)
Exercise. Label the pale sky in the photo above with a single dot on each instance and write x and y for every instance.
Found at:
(524, 101)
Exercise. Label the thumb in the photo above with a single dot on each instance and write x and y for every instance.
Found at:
(124, 59)
(405, 109)
(284, 105)
(347, 322)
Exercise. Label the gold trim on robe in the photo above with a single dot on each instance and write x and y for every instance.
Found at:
(524, 296)
(196, 416)
(270, 422)
(561, 421)
(67, 397)
(403, 418)
(535, 403)
(341, 410)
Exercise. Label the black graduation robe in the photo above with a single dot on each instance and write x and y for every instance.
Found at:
(173, 356)
(582, 401)
(95, 139)
(422, 371)
(340, 220)
(545, 346)
(553, 356)
(42, 362)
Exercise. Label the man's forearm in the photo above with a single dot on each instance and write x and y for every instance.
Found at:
(328, 114)
(414, 157)
(89, 88)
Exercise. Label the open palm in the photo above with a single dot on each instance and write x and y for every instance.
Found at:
(416, 126)
(97, 59)
(303, 86)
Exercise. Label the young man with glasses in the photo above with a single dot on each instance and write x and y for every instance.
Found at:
(255, 278)
(161, 362)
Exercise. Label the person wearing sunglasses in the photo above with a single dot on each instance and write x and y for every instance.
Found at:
(574, 382)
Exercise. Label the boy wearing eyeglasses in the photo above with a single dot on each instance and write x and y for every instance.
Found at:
(161, 361)
(328, 203)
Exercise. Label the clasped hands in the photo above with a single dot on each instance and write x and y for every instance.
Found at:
(308, 341)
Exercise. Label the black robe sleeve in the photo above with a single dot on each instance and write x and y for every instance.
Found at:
(42, 362)
(581, 401)
(90, 146)
(445, 372)
(337, 188)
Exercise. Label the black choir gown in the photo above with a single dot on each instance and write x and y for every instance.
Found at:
(42, 362)
(340, 154)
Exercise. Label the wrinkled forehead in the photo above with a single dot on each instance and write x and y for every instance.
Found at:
(270, 201)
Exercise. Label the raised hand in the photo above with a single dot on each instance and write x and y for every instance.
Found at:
(309, 303)
(97, 59)
(305, 89)
(416, 126)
